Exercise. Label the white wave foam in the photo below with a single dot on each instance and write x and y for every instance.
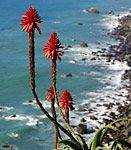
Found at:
(119, 66)
(32, 121)
(5, 108)
(13, 134)
(72, 61)
(16, 117)
(56, 22)
(45, 103)
(111, 21)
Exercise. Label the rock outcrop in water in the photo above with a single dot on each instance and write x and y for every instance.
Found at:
(92, 11)
(83, 45)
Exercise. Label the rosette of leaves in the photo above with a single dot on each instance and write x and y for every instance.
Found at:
(98, 141)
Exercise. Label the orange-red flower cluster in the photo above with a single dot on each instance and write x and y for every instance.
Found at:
(51, 95)
(52, 47)
(66, 101)
(31, 20)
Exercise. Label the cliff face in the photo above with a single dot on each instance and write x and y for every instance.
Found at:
(123, 33)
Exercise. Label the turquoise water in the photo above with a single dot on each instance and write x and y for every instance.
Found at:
(31, 130)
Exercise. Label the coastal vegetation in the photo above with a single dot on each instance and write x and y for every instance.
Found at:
(103, 139)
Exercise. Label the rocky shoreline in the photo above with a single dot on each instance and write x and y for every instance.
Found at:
(120, 52)
(123, 34)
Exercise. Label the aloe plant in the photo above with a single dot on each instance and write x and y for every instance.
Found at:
(98, 141)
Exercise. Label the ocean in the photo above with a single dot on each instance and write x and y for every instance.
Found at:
(91, 80)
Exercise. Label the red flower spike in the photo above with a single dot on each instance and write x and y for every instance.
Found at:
(51, 95)
(31, 20)
(66, 101)
(52, 47)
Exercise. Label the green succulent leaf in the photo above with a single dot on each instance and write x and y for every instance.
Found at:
(98, 138)
(123, 142)
(89, 145)
(113, 145)
(71, 144)
(105, 132)
(83, 142)
(118, 120)
(119, 147)
(112, 123)
(101, 148)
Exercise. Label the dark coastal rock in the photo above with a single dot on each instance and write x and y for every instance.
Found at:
(94, 58)
(5, 146)
(82, 109)
(83, 45)
(80, 24)
(73, 40)
(127, 74)
(69, 75)
(13, 116)
(109, 55)
(103, 55)
(112, 115)
(93, 11)
(118, 103)
(124, 128)
(90, 110)
(73, 126)
(93, 118)
(30, 101)
(68, 46)
(103, 49)
(127, 58)
(125, 111)
(107, 121)
(83, 120)
(107, 105)
(100, 52)
(111, 12)
(82, 128)
(83, 59)
(98, 105)
(108, 60)
(112, 104)
(94, 53)
(83, 53)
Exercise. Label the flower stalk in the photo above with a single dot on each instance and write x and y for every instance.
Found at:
(51, 97)
(53, 70)
(63, 117)
(31, 20)
(32, 59)
(67, 116)
(53, 64)
(52, 50)
(56, 128)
